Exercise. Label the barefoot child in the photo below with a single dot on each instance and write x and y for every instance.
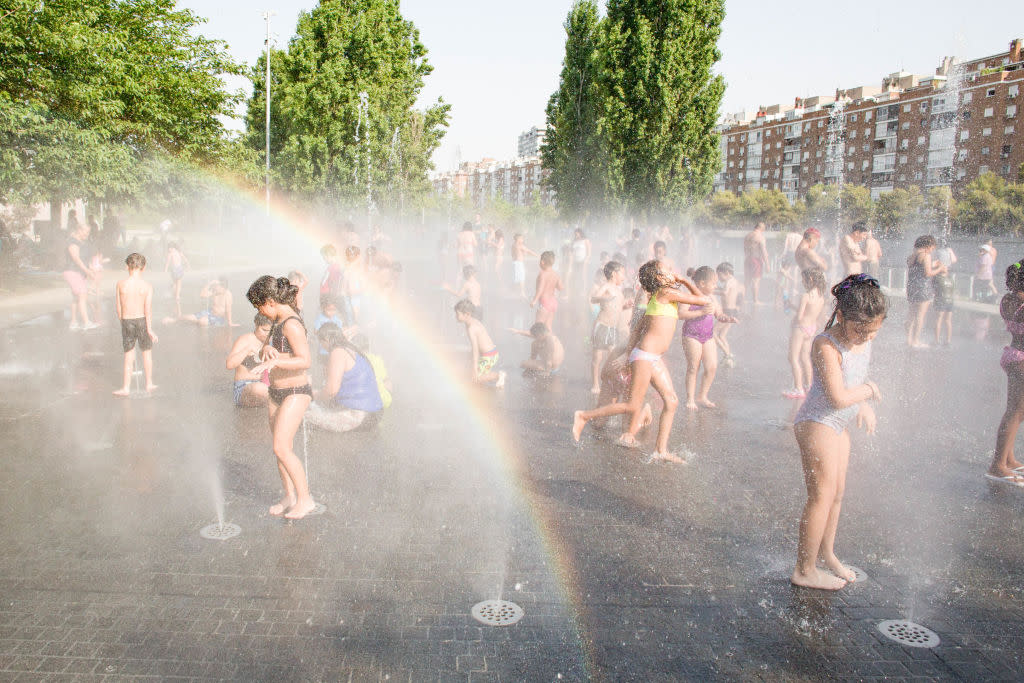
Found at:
(134, 302)
(649, 340)
(250, 388)
(698, 331)
(839, 392)
(519, 253)
(1005, 467)
(732, 291)
(484, 362)
(218, 310)
(546, 352)
(470, 289)
(176, 264)
(547, 288)
(286, 356)
(605, 337)
(805, 325)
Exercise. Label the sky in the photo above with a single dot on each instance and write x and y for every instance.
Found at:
(497, 63)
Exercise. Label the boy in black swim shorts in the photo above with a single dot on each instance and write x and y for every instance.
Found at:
(135, 310)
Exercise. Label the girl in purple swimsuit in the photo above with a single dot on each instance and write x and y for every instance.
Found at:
(698, 342)
(1005, 467)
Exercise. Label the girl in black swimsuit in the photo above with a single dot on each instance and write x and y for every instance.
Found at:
(286, 355)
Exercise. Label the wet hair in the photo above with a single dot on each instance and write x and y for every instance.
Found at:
(924, 242)
(814, 278)
(725, 267)
(1015, 277)
(579, 234)
(619, 256)
(467, 226)
(610, 268)
(269, 288)
(329, 300)
(704, 274)
(547, 258)
(860, 226)
(539, 330)
(468, 272)
(651, 277)
(498, 234)
(333, 337)
(260, 320)
(517, 236)
(690, 271)
(943, 242)
(659, 245)
(859, 298)
(295, 276)
(329, 251)
(351, 253)
(636, 233)
(135, 261)
(465, 307)
(811, 232)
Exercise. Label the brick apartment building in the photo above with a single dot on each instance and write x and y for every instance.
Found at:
(910, 131)
(518, 182)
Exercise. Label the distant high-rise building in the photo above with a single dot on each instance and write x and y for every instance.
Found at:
(927, 131)
(530, 142)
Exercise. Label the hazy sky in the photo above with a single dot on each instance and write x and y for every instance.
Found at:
(497, 63)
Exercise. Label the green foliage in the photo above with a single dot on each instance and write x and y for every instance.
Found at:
(343, 48)
(938, 208)
(894, 211)
(92, 91)
(991, 205)
(659, 102)
(761, 205)
(572, 150)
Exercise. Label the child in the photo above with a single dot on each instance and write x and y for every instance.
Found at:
(605, 335)
(698, 331)
(519, 253)
(805, 324)
(352, 284)
(470, 289)
(176, 264)
(466, 244)
(1005, 467)
(218, 311)
(732, 291)
(286, 356)
(351, 396)
(330, 312)
(546, 352)
(839, 393)
(250, 388)
(548, 284)
(298, 279)
(134, 303)
(330, 284)
(649, 340)
(483, 361)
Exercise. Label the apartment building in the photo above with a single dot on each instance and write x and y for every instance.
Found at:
(940, 130)
(530, 142)
(519, 182)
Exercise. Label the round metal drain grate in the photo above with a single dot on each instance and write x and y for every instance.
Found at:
(859, 573)
(497, 612)
(220, 532)
(908, 633)
(318, 509)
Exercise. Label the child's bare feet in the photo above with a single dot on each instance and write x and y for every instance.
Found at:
(839, 569)
(300, 509)
(648, 416)
(123, 392)
(150, 388)
(690, 405)
(817, 579)
(706, 403)
(577, 425)
(595, 390)
(666, 457)
(278, 508)
(627, 440)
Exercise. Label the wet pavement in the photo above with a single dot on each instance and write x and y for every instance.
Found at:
(625, 570)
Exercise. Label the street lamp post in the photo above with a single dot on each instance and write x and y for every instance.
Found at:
(266, 17)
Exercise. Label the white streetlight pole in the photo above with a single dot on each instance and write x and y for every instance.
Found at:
(266, 17)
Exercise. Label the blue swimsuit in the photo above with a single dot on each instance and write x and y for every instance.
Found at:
(816, 407)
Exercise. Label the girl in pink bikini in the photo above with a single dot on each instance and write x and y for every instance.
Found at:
(1005, 467)
(804, 329)
(548, 285)
(698, 338)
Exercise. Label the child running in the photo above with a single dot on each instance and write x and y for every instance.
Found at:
(286, 356)
(839, 392)
(803, 329)
(1005, 467)
(732, 291)
(484, 362)
(605, 336)
(547, 288)
(649, 340)
(698, 334)
(134, 303)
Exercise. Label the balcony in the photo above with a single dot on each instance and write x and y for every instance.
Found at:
(789, 149)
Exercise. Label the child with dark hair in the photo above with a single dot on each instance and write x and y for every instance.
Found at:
(470, 289)
(134, 303)
(803, 331)
(546, 352)
(484, 362)
(921, 268)
(352, 284)
(287, 358)
(1005, 467)
(250, 388)
(176, 264)
(731, 293)
(547, 288)
(839, 392)
(605, 335)
(351, 393)
(698, 338)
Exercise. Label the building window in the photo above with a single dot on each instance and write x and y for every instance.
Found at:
(917, 176)
(903, 157)
(968, 97)
(1008, 130)
(986, 132)
(730, 163)
(984, 151)
(906, 108)
(806, 154)
(991, 92)
(863, 165)
(920, 139)
(1012, 91)
(1006, 151)
(982, 170)
(867, 132)
(964, 134)
(817, 167)
(820, 123)
(904, 143)
(853, 133)
(865, 147)
(961, 174)
(989, 111)
(906, 125)
(817, 155)
(1006, 169)
(1011, 111)
(741, 161)
(867, 115)
(923, 106)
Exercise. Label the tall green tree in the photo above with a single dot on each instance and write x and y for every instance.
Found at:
(895, 211)
(991, 205)
(326, 146)
(660, 101)
(92, 90)
(571, 149)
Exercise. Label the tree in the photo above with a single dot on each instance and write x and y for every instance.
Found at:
(334, 145)
(893, 211)
(938, 207)
(659, 102)
(990, 205)
(571, 149)
(762, 205)
(721, 209)
(91, 91)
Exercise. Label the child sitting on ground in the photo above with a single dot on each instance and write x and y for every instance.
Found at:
(546, 352)
(484, 362)
(218, 310)
(134, 303)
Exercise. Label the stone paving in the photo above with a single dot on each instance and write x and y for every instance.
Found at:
(625, 570)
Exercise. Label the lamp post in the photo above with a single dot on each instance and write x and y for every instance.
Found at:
(266, 17)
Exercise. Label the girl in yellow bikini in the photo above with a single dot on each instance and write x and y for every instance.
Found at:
(649, 340)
